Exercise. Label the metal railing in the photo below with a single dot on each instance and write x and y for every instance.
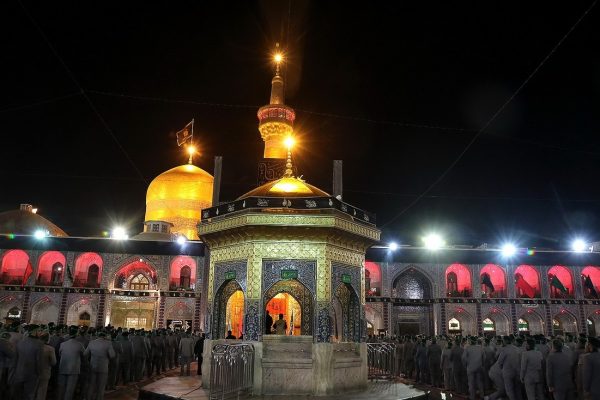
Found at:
(231, 370)
(381, 359)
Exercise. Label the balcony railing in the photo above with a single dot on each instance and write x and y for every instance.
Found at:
(231, 370)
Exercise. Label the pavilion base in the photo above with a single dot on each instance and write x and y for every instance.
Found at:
(174, 388)
(294, 365)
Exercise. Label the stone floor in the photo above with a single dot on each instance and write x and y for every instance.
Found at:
(170, 386)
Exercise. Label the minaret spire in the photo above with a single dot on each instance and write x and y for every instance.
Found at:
(289, 143)
(276, 120)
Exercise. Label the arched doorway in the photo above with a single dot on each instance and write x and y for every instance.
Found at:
(593, 321)
(43, 312)
(84, 319)
(133, 312)
(563, 323)
(139, 282)
(83, 308)
(347, 314)
(184, 277)
(409, 318)
(16, 268)
(88, 270)
(466, 323)
(302, 301)
(372, 279)
(289, 307)
(221, 324)
(531, 322)
(136, 275)
(92, 276)
(499, 322)
(234, 314)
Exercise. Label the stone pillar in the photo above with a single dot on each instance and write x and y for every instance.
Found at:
(197, 309)
(25, 308)
(101, 307)
(549, 325)
(583, 329)
(161, 311)
(62, 312)
(513, 318)
(443, 321)
(479, 320)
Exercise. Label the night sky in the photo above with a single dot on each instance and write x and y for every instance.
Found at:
(394, 89)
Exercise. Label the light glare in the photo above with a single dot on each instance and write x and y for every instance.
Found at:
(433, 241)
(289, 142)
(579, 245)
(119, 233)
(40, 234)
(393, 246)
(181, 240)
(278, 57)
(509, 250)
(191, 150)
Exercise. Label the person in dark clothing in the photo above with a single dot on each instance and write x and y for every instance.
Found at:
(229, 335)
(198, 350)
(268, 323)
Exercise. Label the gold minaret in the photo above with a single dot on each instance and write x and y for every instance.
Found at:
(276, 120)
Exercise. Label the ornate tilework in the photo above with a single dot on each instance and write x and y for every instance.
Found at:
(272, 272)
(323, 334)
(252, 326)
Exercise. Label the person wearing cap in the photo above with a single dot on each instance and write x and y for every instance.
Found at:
(101, 352)
(472, 359)
(70, 353)
(27, 365)
(591, 369)
(7, 355)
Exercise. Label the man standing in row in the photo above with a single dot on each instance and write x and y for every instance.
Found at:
(101, 352)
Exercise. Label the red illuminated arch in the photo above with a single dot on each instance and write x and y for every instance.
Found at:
(372, 279)
(176, 280)
(51, 268)
(458, 281)
(562, 276)
(497, 277)
(88, 270)
(527, 281)
(16, 268)
(137, 275)
(590, 277)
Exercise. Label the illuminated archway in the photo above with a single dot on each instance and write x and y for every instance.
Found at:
(593, 323)
(137, 275)
(235, 314)
(84, 307)
(458, 281)
(347, 314)
(302, 295)
(493, 281)
(561, 282)
(412, 284)
(501, 325)
(590, 277)
(183, 273)
(289, 307)
(51, 269)
(466, 323)
(88, 270)
(16, 268)
(527, 282)
(372, 279)
(221, 320)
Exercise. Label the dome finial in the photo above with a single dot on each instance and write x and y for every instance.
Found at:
(191, 150)
(289, 143)
(278, 58)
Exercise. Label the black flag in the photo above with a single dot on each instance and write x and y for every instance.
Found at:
(186, 134)
(485, 280)
(590, 285)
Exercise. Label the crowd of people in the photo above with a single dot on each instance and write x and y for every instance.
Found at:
(69, 362)
(511, 367)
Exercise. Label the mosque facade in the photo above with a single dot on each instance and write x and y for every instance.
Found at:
(286, 248)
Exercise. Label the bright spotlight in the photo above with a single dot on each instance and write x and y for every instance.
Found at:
(191, 149)
(289, 142)
(579, 245)
(278, 57)
(119, 233)
(509, 250)
(393, 246)
(181, 240)
(433, 241)
(40, 234)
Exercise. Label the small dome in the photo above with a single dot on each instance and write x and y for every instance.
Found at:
(177, 196)
(286, 187)
(26, 222)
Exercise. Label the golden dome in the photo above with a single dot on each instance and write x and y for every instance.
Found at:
(288, 186)
(26, 222)
(177, 196)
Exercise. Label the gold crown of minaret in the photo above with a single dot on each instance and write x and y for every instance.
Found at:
(276, 120)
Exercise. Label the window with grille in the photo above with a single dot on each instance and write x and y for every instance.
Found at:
(139, 282)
